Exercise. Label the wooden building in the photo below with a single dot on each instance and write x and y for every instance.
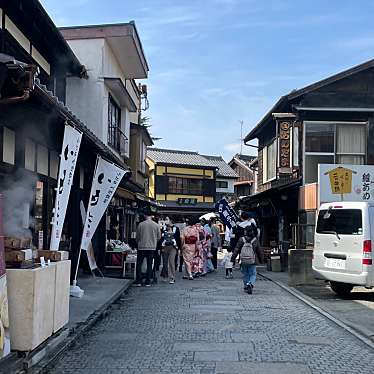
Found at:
(245, 167)
(32, 120)
(328, 122)
(182, 182)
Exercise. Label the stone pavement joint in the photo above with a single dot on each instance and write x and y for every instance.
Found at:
(210, 326)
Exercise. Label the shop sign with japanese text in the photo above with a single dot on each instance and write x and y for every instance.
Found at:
(345, 183)
(284, 146)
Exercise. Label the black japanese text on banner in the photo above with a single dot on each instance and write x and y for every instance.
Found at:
(68, 161)
(105, 182)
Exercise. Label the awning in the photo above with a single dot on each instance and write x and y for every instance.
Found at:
(124, 194)
(122, 94)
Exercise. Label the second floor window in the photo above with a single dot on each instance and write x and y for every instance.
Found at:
(333, 143)
(269, 161)
(114, 124)
(222, 184)
(185, 186)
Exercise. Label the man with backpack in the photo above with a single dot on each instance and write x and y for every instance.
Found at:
(248, 248)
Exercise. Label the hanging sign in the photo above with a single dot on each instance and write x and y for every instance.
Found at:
(284, 146)
(105, 182)
(227, 214)
(68, 161)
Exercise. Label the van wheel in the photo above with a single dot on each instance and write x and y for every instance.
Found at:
(341, 289)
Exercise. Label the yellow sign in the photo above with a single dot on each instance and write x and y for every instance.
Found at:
(340, 180)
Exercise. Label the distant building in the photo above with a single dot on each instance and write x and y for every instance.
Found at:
(246, 168)
(182, 182)
(225, 179)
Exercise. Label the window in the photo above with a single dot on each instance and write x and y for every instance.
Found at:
(30, 153)
(185, 186)
(332, 143)
(53, 164)
(351, 144)
(269, 161)
(9, 145)
(320, 138)
(222, 184)
(340, 221)
(295, 146)
(42, 159)
(114, 124)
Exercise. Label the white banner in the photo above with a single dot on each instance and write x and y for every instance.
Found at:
(105, 182)
(345, 183)
(90, 252)
(68, 161)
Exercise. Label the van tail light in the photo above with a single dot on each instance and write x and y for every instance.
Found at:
(367, 253)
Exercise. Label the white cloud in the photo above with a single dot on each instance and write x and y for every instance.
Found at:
(232, 147)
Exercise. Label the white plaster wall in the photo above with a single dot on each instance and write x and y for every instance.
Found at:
(112, 69)
(229, 189)
(87, 98)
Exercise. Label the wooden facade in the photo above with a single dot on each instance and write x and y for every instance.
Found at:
(336, 105)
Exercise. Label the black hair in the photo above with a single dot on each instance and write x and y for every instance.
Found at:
(229, 249)
(245, 215)
(248, 231)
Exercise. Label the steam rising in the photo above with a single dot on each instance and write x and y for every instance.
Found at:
(18, 192)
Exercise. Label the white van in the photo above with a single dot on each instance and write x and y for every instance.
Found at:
(343, 245)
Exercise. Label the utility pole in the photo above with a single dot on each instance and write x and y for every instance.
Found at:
(241, 136)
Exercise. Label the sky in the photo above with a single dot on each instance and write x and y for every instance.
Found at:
(214, 63)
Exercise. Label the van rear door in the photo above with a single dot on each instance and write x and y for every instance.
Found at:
(341, 239)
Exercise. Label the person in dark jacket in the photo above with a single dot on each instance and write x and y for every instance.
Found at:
(248, 262)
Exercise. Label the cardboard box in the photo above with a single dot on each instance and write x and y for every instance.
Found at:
(53, 255)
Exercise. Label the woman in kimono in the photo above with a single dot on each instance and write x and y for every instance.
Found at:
(190, 247)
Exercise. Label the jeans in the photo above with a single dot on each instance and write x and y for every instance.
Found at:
(139, 261)
(249, 273)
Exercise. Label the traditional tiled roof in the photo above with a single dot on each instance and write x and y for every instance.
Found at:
(224, 170)
(176, 157)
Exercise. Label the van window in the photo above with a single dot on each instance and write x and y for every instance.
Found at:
(341, 221)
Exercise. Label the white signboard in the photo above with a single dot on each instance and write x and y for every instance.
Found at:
(68, 161)
(345, 183)
(105, 182)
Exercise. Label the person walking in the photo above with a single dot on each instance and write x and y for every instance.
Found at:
(248, 249)
(169, 250)
(148, 234)
(190, 242)
(227, 263)
(215, 242)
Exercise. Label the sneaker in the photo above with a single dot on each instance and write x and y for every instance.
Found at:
(148, 284)
(185, 276)
(231, 276)
(172, 281)
(227, 277)
(249, 289)
(137, 284)
(190, 278)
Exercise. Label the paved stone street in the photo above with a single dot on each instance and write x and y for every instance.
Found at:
(210, 326)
